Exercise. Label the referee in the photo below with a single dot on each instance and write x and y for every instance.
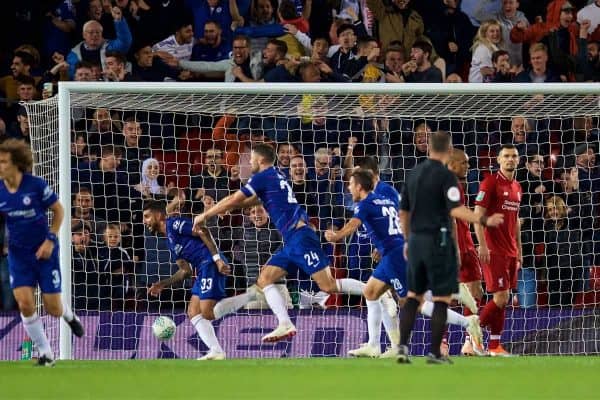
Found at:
(430, 198)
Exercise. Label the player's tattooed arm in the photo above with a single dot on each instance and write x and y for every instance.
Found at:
(210, 244)
(184, 272)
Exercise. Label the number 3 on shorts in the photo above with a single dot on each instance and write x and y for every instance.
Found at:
(312, 259)
(55, 278)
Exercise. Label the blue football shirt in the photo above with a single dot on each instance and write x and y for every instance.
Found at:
(184, 245)
(25, 211)
(273, 189)
(380, 216)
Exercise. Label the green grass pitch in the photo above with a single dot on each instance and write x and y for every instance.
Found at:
(317, 378)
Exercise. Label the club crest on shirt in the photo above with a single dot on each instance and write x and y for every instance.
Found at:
(480, 196)
(26, 200)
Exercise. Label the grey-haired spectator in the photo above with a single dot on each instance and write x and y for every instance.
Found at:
(93, 48)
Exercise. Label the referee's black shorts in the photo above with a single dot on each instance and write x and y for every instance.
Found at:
(432, 264)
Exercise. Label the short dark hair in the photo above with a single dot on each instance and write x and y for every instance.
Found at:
(20, 153)
(84, 64)
(281, 46)
(287, 9)
(497, 54)
(364, 178)
(364, 41)
(345, 27)
(325, 38)
(507, 146)
(155, 206)
(369, 163)
(265, 151)
(242, 37)
(25, 80)
(26, 58)
(423, 45)
(118, 55)
(440, 142)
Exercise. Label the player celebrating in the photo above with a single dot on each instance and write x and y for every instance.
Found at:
(470, 270)
(32, 246)
(195, 249)
(500, 248)
(301, 249)
(380, 217)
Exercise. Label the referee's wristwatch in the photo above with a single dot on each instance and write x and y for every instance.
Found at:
(51, 236)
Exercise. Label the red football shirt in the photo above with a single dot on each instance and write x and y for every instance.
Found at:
(463, 231)
(498, 194)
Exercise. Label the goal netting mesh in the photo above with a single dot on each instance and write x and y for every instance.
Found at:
(128, 147)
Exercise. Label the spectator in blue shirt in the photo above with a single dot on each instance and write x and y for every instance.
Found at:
(93, 48)
(211, 47)
(58, 27)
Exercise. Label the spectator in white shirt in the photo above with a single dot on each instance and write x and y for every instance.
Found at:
(591, 12)
(487, 41)
(180, 44)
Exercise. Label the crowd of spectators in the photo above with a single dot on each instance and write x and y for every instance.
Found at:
(121, 159)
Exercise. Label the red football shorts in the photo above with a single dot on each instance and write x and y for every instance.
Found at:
(501, 273)
(470, 268)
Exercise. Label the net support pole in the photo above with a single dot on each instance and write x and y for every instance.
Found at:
(64, 194)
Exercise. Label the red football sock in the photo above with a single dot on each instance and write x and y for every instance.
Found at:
(488, 314)
(467, 311)
(496, 328)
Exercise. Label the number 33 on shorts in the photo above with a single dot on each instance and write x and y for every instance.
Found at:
(312, 259)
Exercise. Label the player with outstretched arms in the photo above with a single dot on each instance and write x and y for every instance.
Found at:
(500, 247)
(469, 274)
(195, 249)
(32, 245)
(301, 248)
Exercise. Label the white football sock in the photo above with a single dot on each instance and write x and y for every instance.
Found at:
(35, 329)
(453, 317)
(392, 328)
(231, 304)
(207, 333)
(374, 322)
(277, 303)
(350, 286)
(67, 313)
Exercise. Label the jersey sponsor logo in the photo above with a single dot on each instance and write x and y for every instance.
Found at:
(26, 200)
(22, 213)
(505, 193)
(480, 196)
(510, 205)
(453, 194)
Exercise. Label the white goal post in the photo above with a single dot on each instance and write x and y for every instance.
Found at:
(416, 102)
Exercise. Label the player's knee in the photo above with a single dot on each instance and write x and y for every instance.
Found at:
(329, 286)
(370, 293)
(54, 309)
(208, 314)
(501, 298)
(26, 307)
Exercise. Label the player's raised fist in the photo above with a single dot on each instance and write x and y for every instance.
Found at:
(155, 289)
(331, 236)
